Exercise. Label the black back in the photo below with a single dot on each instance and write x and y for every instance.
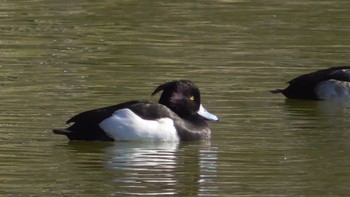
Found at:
(86, 124)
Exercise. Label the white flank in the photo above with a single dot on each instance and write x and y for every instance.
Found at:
(125, 125)
(333, 89)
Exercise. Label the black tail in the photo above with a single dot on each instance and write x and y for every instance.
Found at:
(61, 131)
(84, 134)
(276, 91)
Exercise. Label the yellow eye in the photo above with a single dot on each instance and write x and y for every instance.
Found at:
(192, 98)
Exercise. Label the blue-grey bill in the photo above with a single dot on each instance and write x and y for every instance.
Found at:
(205, 114)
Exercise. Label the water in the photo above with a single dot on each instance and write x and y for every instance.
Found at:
(60, 58)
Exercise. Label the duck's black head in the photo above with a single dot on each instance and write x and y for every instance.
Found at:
(183, 98)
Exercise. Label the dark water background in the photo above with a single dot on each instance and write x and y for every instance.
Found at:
(58, 58)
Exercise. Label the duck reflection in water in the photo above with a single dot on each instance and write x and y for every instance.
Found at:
(163, 168)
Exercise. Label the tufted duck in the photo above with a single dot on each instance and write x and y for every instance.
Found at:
(179, 115)
(326, 84)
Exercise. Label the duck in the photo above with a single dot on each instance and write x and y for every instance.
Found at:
(178, 116)
(326, 84)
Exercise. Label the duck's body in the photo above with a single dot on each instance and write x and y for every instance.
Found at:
(176, 117)
(327, 84)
